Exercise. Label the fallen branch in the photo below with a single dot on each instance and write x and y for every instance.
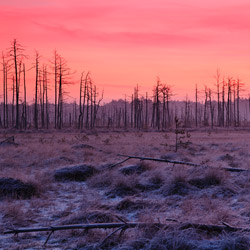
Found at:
(161, 160)
(9, 140)
(213, 228)
(115, 164)
(126, 225)
(122, 228)
(235, 169)
(174, 162)
(68, 227)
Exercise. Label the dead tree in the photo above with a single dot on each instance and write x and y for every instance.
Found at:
(223, 104)
(229, 102)
(13, 102)
(155, 122)
(24, 113)
(36, 90)
(80, 104)
(125, 113)
(217, 78)
(239, 87)
(16, 53)
(96, 104)
(157, 95)
(46, 97)
(205, 120)
(131, 111)
(146, 112)
(136, 108)
(196, 106)
(64, 78)
(56, 75)
(42, 95)
(212, 108)
(166, 94)
(5, 104)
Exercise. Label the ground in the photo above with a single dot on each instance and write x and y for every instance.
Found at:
(135, 190)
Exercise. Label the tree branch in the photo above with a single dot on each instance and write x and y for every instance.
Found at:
(161, 160)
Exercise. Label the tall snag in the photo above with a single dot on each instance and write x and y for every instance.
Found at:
(16, 53)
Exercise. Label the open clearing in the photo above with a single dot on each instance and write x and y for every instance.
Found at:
(143, 191)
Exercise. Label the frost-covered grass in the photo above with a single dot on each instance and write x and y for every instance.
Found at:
(151, 192)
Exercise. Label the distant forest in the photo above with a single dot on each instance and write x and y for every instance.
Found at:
(218, 107)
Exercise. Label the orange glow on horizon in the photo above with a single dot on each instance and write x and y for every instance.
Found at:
(127, 43)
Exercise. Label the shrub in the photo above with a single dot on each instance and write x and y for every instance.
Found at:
(211, 178)
(14, 188)
(74, 173)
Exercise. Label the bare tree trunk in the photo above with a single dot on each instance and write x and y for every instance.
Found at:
(36, 92)
(17, 83)
(229, 102)
(80, 104)
(146, 116)
(84, 98)
(55, 76)
(87, 108)
(218, 97)
(205, 108)
(25, 99)
(13, 101)
(157, 93)
(6, 96)
(47, 101)
(234, 96)
(91, 104)
(131, 113)
(125, 113)
(238, 102)
(196, 107)
(211, 108)
(60, 101)
(223, 104)
(4, 92)
(43, 97)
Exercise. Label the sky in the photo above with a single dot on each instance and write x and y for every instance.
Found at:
(125, 43)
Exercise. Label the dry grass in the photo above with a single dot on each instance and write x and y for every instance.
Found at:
(151, 191)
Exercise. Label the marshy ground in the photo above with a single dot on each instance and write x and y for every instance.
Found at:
(136, 191)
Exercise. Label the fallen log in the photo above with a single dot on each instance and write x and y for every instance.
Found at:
(160, 160)
(125, 225)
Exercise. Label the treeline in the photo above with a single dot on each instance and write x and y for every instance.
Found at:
(221, 106)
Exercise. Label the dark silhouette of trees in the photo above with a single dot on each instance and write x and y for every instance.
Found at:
(16, 52)
(221, 106)
(36, 90)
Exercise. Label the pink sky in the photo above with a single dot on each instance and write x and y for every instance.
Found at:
(124, 43)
